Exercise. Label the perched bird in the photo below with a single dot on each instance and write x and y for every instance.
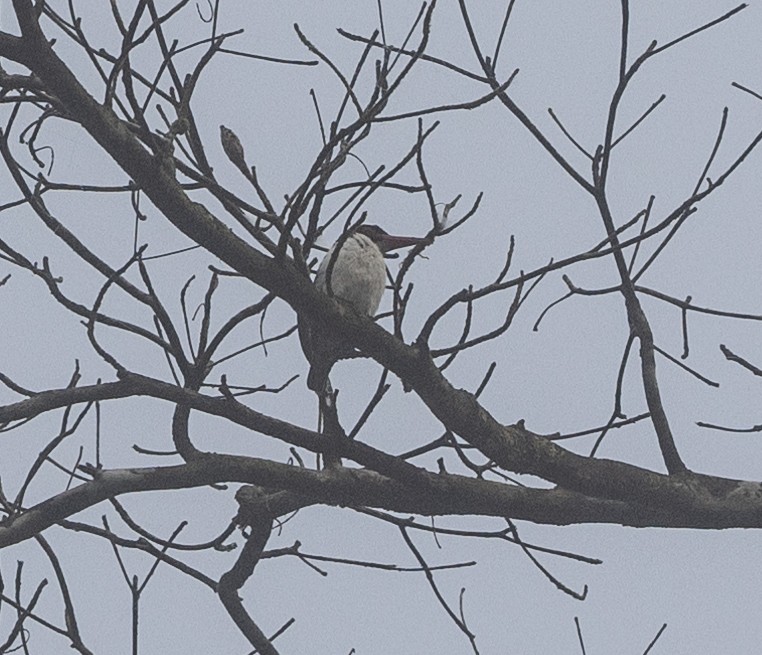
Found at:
(355, 275)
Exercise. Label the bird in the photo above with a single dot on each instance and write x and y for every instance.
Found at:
(353, 271)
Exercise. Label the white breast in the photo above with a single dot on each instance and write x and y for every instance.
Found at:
(358, 276)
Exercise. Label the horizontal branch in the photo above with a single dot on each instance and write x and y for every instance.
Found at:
(454, 495)
(661, 501)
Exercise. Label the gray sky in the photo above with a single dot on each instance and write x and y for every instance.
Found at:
(704, 585)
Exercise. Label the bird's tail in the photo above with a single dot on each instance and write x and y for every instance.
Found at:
(317, 378)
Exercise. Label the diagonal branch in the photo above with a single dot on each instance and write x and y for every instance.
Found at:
(237, 576)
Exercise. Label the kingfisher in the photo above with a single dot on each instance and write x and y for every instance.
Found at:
(356, 276)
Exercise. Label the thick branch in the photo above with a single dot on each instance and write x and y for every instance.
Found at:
(236, 577)
(696, 502)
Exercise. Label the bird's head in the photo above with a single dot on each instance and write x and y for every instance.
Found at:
(385, 241)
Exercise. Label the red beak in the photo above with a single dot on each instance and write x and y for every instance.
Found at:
(389, 242)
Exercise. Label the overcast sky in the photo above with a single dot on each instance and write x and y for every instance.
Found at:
(704, 585)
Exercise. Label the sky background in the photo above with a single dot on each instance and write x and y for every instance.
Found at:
(704, 585)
